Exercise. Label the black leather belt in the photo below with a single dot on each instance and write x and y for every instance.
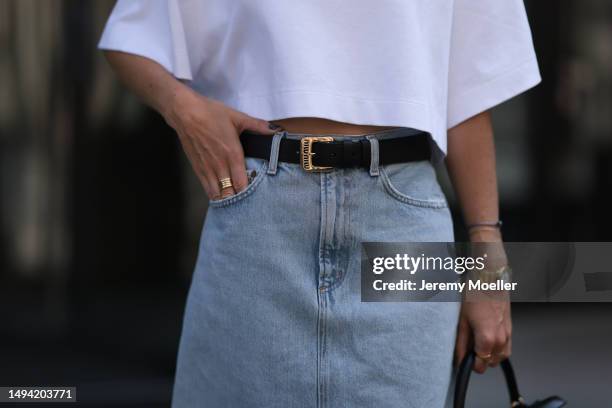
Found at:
(320, 153)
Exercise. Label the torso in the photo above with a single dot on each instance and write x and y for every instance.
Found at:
(359, 62)
(326, 126)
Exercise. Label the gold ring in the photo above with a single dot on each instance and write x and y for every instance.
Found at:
(225, 183)
(486, 357)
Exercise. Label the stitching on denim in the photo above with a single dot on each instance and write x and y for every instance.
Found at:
(321, 296)
(261, 174)
(346, 236)
(395, 193)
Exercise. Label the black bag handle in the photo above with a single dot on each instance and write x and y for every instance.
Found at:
(463, 379)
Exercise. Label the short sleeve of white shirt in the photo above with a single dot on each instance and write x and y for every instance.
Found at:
(492, 57)
(151, 29)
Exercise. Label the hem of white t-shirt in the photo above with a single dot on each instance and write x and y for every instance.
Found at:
(495, 91)
(282, 104)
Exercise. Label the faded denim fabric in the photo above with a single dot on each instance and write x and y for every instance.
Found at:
(274, 317)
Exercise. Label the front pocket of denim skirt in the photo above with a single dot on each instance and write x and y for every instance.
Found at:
(413, 183)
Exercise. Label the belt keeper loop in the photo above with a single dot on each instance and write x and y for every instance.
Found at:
(374, 156)
(274, 149)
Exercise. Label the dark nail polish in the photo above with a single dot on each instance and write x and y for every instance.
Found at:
(273, 126)
(251, 175)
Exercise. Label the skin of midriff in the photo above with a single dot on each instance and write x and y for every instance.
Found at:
(319, 126)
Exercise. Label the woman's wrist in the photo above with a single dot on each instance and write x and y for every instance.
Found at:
(179, 98)
(487, 243)
(485, 234)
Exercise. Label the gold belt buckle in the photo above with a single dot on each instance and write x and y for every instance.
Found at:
(306, 152)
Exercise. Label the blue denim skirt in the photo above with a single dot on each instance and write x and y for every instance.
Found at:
(274, 316)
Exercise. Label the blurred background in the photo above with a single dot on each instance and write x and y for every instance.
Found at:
(100, 214)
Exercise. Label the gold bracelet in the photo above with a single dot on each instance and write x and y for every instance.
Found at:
(488, 276)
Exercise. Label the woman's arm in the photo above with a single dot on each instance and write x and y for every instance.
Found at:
(471, 166)
(208, 130)
(486, 325)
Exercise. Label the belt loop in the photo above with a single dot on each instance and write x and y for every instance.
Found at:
(373, 155)
(273, 162)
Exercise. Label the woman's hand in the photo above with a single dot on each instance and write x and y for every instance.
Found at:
(209, 133)
(208, 130)
(485, 325)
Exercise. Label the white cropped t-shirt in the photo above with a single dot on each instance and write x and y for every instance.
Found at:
(425, 64)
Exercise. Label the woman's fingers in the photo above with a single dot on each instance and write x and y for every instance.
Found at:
(232, 165)
(216, 172)
(490, 326)
(237, 169)
(484, 344)
(226, 185)
(246, 122)
(463, 340)
(505, 350)
(216, 164)
(498, 348)
(508, 348)
(197, 165)
(491, 348)
(503, 346)
(229, 170)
